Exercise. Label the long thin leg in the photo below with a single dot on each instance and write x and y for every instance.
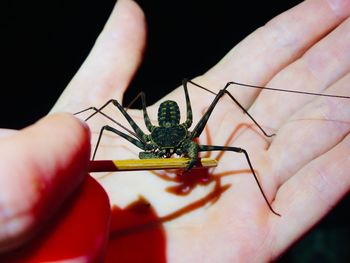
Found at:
(108, 117)
(189, 118)
(145, 114)
(239, 150)
(293, 91)
(146, 118)
(203, 121)
(138, 132)
(138, 143)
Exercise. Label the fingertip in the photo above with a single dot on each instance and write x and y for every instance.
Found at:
(41, 167)
(68, 135)
(122, 42)
(71, 127)
(113, 61)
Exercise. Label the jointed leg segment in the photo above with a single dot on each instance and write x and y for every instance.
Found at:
(239, 150)
(203, 121)
(134, 141)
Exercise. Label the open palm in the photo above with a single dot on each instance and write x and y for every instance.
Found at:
(304, 169)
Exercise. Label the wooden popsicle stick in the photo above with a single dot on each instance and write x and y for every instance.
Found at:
(147, 164)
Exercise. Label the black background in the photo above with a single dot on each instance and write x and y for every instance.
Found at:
(45, 42)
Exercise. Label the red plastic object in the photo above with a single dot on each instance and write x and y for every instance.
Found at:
(80, 231)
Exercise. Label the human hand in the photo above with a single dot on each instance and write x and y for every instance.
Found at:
(304, 168)
(45, 192)
(39, 172)
(42, 171)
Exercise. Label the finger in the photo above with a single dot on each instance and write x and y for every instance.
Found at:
(307, 197)
(40, 167)
(111, 63)
(322, 65)
(311, 132)
(6, 132)
(281, 41)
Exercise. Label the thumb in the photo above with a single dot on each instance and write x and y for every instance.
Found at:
(40, 167)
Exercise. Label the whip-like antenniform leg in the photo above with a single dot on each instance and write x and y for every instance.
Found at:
(203, 121)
